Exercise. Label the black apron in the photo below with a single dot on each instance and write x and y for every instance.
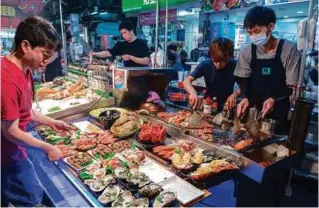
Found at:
(269, 80)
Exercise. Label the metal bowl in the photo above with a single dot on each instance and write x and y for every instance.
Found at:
(108, 117)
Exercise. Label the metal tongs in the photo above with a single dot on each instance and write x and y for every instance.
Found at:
(253, 127)
(195, 118)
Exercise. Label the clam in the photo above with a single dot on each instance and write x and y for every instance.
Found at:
(125, 200)
(150, 190)
(140, 203)
(165, 198)
(110, 194)
(122, 173)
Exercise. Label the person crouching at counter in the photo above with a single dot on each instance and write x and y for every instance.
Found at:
(35, 41)
(218, 73)
(133, 50)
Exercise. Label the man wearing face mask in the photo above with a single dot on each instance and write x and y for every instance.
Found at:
(267, 68)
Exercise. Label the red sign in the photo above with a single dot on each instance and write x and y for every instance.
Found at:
(149, 18)
(9, 22)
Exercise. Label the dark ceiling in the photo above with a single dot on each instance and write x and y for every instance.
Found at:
(84, 8)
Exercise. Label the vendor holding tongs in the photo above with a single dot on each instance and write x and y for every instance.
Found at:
(218, 74)
(267, 69)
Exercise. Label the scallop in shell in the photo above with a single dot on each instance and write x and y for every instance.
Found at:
(140, 203)
(125, 200)
(110, 194)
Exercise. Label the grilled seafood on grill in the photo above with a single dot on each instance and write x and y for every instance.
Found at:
(180, 118)
(214, 167)
(243, 144)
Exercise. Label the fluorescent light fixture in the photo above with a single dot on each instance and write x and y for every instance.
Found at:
(300, 12)
(185, 13)
(286, 16)
(93, 13)
(103, 13)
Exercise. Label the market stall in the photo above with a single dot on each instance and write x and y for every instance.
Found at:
(101, 164)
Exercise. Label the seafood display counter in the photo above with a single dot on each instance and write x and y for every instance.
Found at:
(109, 168)
(142, 160)
(63, 97)
(265, 164)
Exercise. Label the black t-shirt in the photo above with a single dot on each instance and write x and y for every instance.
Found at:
(137, 48)
(219, 83)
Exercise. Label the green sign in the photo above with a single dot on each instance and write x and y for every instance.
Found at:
(136, 5)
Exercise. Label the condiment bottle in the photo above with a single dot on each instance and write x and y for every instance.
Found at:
(207, 106)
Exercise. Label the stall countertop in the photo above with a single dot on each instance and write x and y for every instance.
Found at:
(144, 68)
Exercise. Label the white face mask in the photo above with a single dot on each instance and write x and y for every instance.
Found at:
(260, 39)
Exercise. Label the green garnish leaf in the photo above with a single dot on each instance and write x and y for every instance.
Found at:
(109, 169)
(87, 163)
(66, 141)
(124, 164)
(85, 176)
(98, 155)
(108, 156)
(53, 109)
(54, 140)
(133, 145)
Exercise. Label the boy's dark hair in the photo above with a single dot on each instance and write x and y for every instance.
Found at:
(259, 16)
(39, 32)
(128, 25)
(221, 49)
(172, 47)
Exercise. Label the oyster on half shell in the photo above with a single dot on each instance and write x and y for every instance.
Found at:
(125, 200)
(110, 194)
